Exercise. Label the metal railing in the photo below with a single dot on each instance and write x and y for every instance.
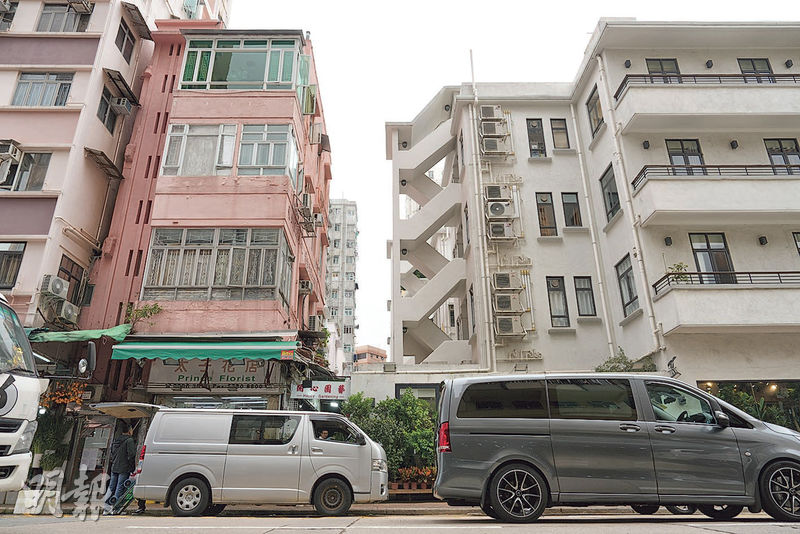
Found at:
(714, 170)
(726, 278)
(704, 79)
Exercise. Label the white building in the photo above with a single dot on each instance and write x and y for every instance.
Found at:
(341, 281)
(565, 206)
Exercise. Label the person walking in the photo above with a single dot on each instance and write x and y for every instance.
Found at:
(123, 458)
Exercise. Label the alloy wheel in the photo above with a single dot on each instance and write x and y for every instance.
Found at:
(784, 488)
(519, 493)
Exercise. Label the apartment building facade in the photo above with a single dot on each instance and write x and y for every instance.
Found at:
(650, 206)
(341, 280)
(70, 76)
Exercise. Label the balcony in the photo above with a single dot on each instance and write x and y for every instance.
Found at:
(716, 194)
(727, 302)
(707, 102)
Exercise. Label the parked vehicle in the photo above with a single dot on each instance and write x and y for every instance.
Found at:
(198, 461)
(515, 445)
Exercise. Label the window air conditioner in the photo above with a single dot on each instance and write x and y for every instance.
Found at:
(494, 129)
(503, 209)
(68, 312)
(306, 287)
(122, 106)
(494, 146)
(80, 6)
(9, 150)
(506, 282)
(501, 230)
(508, 325)
(507, 303)
(315, 322)
(497, 192)
(491, 112)
(306, 204)
(55, 286)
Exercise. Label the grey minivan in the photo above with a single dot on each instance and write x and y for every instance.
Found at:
(516, 445)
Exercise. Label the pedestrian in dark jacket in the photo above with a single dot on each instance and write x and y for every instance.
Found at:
(123, 458)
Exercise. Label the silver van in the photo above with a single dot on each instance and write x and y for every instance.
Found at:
(199, 460)
(515, 445)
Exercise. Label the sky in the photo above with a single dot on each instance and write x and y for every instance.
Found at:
(381, 62)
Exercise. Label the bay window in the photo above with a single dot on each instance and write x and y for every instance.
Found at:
(199, 150)
(269, 150)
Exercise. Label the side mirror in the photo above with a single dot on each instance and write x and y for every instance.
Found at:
(87, 365)
(362, 440)
(722, 419)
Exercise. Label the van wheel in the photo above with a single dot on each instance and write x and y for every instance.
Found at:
(780, 491)
(214, 509)
(487, 509)
(518, 494)
(720, 511)
(682, 509)
(645, 509)
(332, 497)
(190, 496)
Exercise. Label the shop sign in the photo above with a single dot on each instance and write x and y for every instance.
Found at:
(323, 390)
(186, 375)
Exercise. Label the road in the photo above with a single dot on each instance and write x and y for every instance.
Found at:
(463, 521)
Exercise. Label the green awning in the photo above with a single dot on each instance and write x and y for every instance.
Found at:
(217, 350)
(118, 333)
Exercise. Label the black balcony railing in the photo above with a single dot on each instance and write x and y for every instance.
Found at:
(713, 170)
(726, 278)
(704, 79)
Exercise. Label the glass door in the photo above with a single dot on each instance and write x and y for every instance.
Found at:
(660, 70)
(685, 154)
(711, 255)
(783, 152)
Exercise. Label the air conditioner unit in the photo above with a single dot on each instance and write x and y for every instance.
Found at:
(494, 146)
(501, 230)
(319, 220)
(122, 106)
(508, 325)
(503, 209)
(9, 150)
(55, 286)
(306, 286)
(316, 322)
(507, 303)
(80, 6)
(497, 192)
(5, 6)
(494, 129)
(68, 312)
(306, 204)
(506, 282)
(492, 112)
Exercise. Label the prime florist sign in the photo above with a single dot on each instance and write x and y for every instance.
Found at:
(323, 390)
(169, 375)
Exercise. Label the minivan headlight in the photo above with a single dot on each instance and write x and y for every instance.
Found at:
(379, 465)
(25, 440)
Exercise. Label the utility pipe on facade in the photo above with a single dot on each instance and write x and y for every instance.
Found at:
(638, 252)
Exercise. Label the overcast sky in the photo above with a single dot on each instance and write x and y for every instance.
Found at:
(383, 61)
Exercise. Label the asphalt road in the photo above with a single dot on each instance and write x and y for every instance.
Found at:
(465, 521)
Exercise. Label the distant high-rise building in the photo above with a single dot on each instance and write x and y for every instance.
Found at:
(341, 282)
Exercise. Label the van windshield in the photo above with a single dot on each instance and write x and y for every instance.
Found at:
(16, 355)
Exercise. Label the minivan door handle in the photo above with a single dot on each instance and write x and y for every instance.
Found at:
(293, 449)
(316, 450)
(629, 427)
(664, 429)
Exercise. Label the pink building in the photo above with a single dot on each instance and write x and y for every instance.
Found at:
(221, 218)
(365, 354)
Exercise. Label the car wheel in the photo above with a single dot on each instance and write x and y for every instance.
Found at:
(190, 496)
(780, 491)
(682, 509)
(645, 509)
(332, 497)
(517, 494)
(488, 510)
(720, 511)
(214, 509)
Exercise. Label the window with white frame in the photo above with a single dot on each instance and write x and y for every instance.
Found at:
(105, 112)
(10, 262)
(7, 17)
(335, 276)
(348, 348)
(348, 293)
(334, 294)
(348, 312)
(335, 260)
(268, 150)
(337, 227)
(350, 259)
(350, 276)
(125, 40)
(347, 329)
(218, 264)
(199, 150)
(334, 311)
(42, 89)
(62, 18)
(240, 64)
(28, 174)
(337, 243)
(350, 243)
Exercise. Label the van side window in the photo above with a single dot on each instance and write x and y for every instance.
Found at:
(591, 398)
(514, 399)
(263, 429)
(677, 405)
(332, 430)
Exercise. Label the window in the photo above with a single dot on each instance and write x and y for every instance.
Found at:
(684, 153)
(348, 312)
(336, 260)
(334, 312)
(610, 196)
(547, 215)
(451, 315)
(107, 115)
(240, 64)
(199, 150)
(756, 70)
(350, 260)
(28, 175)
(73, 273)
(796, 236)
(218, 264)
(660, 69)
(8, 17)
(783, 152)
(676, 405)
(62, 18)
(466, 224)
(598, 399)
(711, 255)
(522, 399)
(584, 296)
(347, 347)
(572, 209)
(348, 294)
(125, 40)
(536, 138)
(556, 294)
(595, 111)
(351, 212)
(10, 261)
(347, 329)
(263, 429)
(560, 135)
(268, 150)
(350, 244)
(335, 430)
(350, 275)
(472, 308)
(42, 89)
(335, 276)
(627, 286)
(337, 243)
(334, 294)
(337, 227)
